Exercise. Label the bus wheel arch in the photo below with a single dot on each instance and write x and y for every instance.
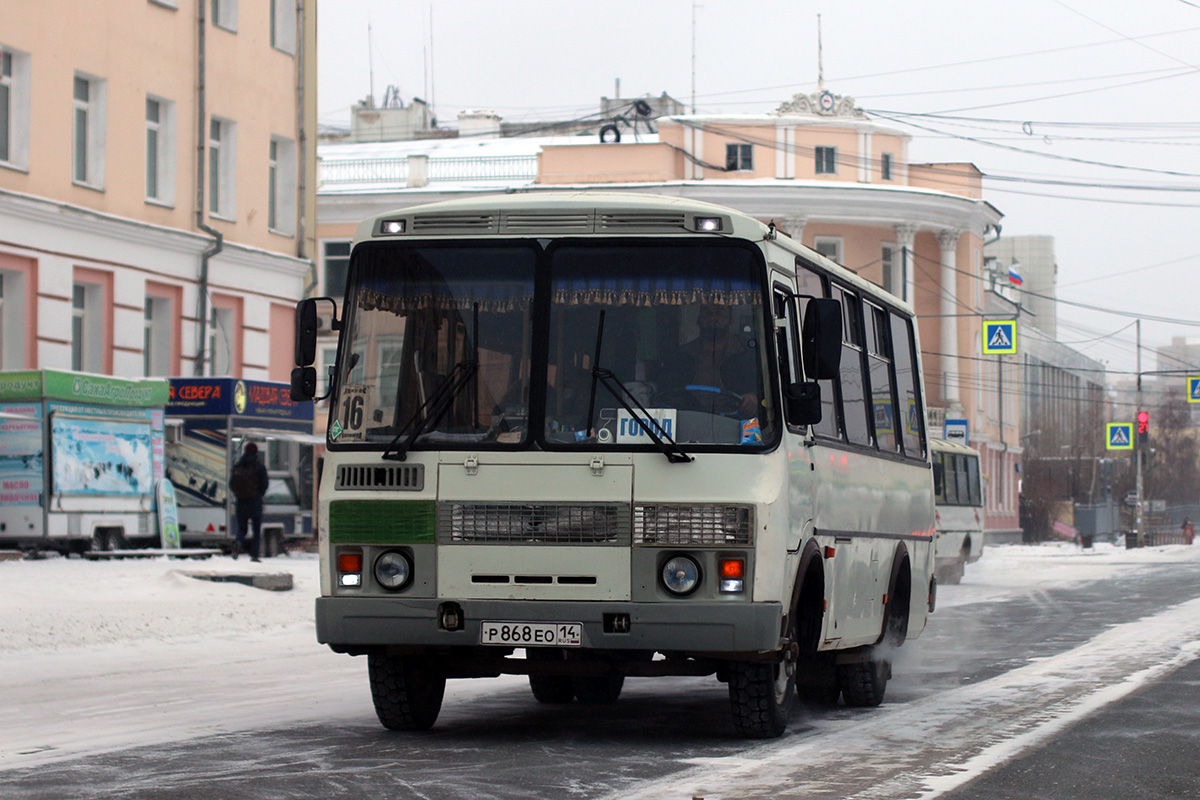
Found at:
(807, 610)
(898, 603)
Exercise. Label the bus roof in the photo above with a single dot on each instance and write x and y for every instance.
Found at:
(945, 446)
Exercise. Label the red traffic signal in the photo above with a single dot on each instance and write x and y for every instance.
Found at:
(1143, 422)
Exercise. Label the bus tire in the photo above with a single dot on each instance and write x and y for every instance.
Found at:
(598, 690)
(761, 696)
(555, 690)
(407, 690)
(865, 682)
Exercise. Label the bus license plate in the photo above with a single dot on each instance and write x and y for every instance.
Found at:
(532, 634)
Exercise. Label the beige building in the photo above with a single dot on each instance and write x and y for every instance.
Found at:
(817, 167)
(156, 184)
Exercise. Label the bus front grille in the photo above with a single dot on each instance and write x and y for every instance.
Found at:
(712, 525)
(534, 523)
(404, 477)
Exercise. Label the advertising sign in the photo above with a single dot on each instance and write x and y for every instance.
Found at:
(83, 388)
(95, 456)
(222, 397)
(21, 459)
(168, 516)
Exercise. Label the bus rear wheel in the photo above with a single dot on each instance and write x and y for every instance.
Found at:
(407, 690)
(864, 683)
(761, 696)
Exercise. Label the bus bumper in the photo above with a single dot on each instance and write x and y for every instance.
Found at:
(694, 627)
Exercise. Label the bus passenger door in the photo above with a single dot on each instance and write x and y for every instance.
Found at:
(799, 458)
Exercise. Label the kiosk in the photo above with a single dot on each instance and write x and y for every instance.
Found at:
(209, 422)
(80, 455)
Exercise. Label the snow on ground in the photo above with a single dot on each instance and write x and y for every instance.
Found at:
(103, 655)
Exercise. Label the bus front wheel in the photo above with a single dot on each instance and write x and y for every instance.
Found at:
(598, 690)
(761, 696)
(407, 690)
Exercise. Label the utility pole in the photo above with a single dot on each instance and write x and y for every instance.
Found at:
(693, 56)
(1139, 519)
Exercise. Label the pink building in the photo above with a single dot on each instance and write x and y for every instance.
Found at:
(818, 167)
(156, 197)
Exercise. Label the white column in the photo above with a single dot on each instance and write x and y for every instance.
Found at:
(906, 233)
(951, 368)
(795, 228)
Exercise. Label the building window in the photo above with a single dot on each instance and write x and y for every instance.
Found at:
(14, 108)
(6, 102)
(888, 261)
(88, 132)
(281, 202)
(829, 246)
(826, 160)
(157, 338)
(160, 149)
(222, 142)
(224, 14)
(337, 264)
(885, 166)
(283, 25)
(87, 332)
(739, 158)
(220, 341)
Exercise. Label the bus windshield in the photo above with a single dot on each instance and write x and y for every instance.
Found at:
(446, 343)
(682, 334)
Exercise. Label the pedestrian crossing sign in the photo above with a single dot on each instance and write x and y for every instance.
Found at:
(999, 336)
(1120, 435)
(1193, 390)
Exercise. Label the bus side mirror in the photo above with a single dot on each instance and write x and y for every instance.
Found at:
(802, 403)
(304, 384)
(307, 325)
(306, 334)
(822, 339)
(937, 478)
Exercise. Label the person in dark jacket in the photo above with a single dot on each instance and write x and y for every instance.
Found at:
(248, 483)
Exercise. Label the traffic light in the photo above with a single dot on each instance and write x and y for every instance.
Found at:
(1143, 427)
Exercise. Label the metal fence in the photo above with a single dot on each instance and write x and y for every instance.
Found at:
(395, 170)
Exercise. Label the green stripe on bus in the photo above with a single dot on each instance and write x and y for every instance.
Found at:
(382, 521)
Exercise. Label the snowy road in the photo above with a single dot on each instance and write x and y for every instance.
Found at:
(160, 686)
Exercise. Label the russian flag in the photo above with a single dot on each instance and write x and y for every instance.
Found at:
(1014, 277)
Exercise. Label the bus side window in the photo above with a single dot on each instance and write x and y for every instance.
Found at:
(939, 479)
(912, 408)
(853, 383)
(883, 404)
(973, 480)
(950, 479)
(786, 339)
(811, 284)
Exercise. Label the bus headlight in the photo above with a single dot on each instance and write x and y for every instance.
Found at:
(393, 570)
(681, 575)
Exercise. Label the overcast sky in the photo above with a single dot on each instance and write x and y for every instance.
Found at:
(1047, 85)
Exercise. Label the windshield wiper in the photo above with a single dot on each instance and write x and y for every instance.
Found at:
(669, 447)
(431, 412)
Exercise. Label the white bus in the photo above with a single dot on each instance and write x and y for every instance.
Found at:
(588, 436)
(959, 517)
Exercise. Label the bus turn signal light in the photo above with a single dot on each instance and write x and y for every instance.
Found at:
(350, 569)
(733, 575)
